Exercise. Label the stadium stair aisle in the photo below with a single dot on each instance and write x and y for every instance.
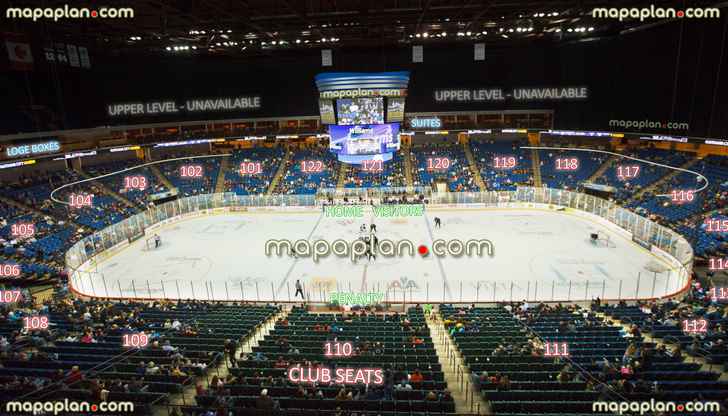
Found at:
(343, 172)
(599, 172)
(667, 177)
(474, 167)
(279, 173)
(220, 182)
(108, 191)
(536, 166)
(188, 394)
(407, 156)
(160, 177)
(450, 357)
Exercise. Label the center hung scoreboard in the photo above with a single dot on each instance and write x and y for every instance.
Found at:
(363, 112)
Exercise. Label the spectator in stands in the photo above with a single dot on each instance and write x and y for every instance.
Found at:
(431, 396)
(74, 376)
(341, 396)
(504, 384)
(416, 379)
(264, 403)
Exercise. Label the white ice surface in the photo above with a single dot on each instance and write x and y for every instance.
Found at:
(539, 255)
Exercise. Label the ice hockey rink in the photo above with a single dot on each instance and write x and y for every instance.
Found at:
(539, 255)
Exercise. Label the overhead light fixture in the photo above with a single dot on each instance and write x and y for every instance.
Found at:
(194, 47)
(558, 29)
(461, 34)
(591, 29)
(505, 36)
(424, 35)
(569, 30)
(298, 40)
(468, 33)
(418, 35)
(444, 33)
(169, 48)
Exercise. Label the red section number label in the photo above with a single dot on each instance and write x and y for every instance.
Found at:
(190, 171)
(32, 323)
(81, 200)
(695, 326)
(22, 229)
(682, 196)
(251, 168)
(504, 162)
(9, 270)
(9, 296)
(716, 225)
(135, 182)
(556, 349)
(567, 163)
(372, 166)
(135, 340)
(338, 349)
(312, 166)
(438, 163)
(627, 172)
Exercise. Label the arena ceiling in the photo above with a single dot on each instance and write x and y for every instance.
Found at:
(265, 26)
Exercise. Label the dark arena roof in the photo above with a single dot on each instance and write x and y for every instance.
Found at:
(363, 208)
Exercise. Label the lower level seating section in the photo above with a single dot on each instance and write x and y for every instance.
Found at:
(81, 355)
(118, 182)
(307, 170)
(628, 184)
(191, 176)
(442, 161)
(558, 171)
(399, 344)
(103, 210)
(666, 321)
(620, 364)
(508, 367)
(391, 175)
(243, 180)
(34, 190)
(496, 177)
(38, 251)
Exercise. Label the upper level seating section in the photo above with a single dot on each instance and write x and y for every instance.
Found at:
(392, 175)
(297, 181)
(633, 369)
(588, 163)
(83, 350)
(445, 161)
(191, 184)
(485, 152)
(117, 183)
(399, 344)
(252, 184)
(647, 173)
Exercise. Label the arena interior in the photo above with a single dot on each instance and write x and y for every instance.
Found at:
(364, 208)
